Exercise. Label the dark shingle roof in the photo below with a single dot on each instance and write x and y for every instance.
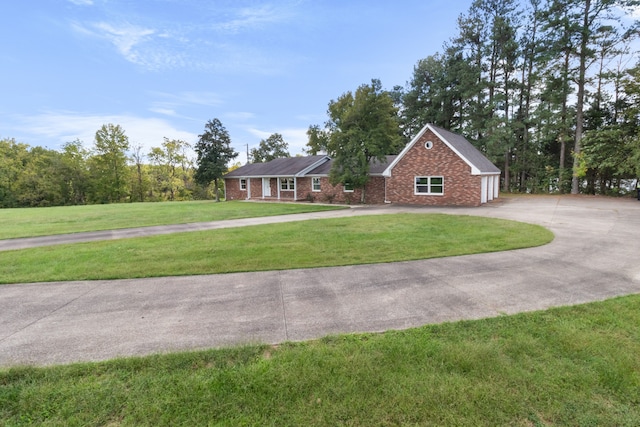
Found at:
(291, 166)
(288, 166)
(467, 150)
(375, 167)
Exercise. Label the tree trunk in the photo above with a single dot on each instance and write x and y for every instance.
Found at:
(575, 183)
(507, 171)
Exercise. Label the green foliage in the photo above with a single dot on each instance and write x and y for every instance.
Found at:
(12, 160)
(272, 148)
(343, 241)
(361, 128)
(109, 164)
(214, 154)
(570, 366)
(170, 171)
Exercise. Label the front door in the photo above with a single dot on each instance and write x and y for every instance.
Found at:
(266, 187)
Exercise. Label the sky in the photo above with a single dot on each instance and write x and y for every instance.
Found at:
(163, 68)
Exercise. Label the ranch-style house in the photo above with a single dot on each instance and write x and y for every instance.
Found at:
(437, 167)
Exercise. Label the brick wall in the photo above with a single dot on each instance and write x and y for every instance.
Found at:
(232, 188)
(374, 191)
(460, 187)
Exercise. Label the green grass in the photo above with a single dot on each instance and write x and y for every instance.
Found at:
(572, 366)
(72, 219)
(303, 244)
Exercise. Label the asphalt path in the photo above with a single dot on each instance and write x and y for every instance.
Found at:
(595, 255)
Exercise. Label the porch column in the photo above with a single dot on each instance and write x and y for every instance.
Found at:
(295, 189)
(248, 188)
(278, 185)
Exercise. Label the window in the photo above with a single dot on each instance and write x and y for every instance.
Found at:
(429, 185)
(348, 187)
(315, 183)
(243, 184)
(287, 184)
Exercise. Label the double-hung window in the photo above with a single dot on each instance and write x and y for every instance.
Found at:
(243, 184)
(429, 185)
(287, 184)
(348, 187)
(315, 183)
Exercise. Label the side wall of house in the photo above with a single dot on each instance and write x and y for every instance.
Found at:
(460, 187)
(233, 192)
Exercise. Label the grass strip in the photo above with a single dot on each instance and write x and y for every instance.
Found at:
(564, 367)
(302, 244)
(30, 222)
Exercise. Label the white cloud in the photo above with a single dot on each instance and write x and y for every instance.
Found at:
(250, 18)
(66, 126)
(168, 104)
(82, 2)
(239, 116)
(142, 46)
(295, 137)
(259, 133)
(198, 44)
(125, 38)
(164, 111)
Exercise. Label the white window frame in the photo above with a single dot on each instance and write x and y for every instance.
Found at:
(314, 180)
(345, 190)
(428, 185)
(287, 184)
(243, 184)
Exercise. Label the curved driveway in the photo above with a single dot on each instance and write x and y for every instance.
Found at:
(595, 255)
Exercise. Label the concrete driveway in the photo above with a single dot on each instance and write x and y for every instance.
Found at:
(595, 255)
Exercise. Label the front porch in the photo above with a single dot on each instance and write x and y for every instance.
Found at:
(272, 188)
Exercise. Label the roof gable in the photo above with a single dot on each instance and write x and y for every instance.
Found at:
(479, 164)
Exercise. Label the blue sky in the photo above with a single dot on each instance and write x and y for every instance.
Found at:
(163, 68)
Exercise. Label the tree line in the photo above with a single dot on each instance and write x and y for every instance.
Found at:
(104, 173)
(547, 90)
(113, 170)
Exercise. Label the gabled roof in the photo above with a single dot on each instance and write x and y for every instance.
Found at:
(375, 167)
(288, 166)
(479, 164)
(299, 166)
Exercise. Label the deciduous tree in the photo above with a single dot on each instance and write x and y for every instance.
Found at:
(271, 148)
(362, 127)
(110, 163)
(214, 153)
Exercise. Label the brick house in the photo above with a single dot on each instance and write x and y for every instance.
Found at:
(437, 167)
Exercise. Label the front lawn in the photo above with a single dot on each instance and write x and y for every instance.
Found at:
(572, 366)
(303, 244)
(29, 222)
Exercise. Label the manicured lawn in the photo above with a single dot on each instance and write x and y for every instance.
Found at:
(572, 366)
(71, 219)
(304, 244)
